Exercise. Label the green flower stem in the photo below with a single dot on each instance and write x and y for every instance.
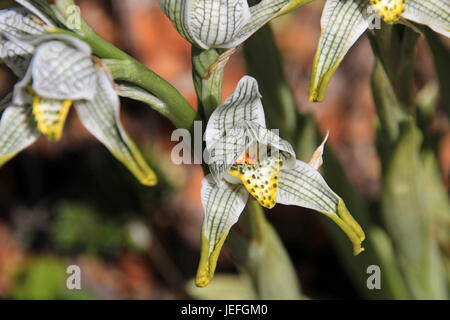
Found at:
(124, 67)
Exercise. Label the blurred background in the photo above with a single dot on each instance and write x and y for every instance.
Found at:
(71, 202)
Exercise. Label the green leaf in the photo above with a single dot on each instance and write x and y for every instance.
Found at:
(17, 131)
(304, 186)
(101, 117)
(433, 13)
(342, 23)
(222, 204)
(224, 287)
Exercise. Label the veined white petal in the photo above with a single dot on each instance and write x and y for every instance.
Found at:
(433, 13)
(215, 23)
(17, 131)
(270, 138)
(228, 149)
(17, 23)
(62, 71)
(40, 8)
(342, 23)
(244, 104)
(222, 205)
(100, 116)
(305, 187)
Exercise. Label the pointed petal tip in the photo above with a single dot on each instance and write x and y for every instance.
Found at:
(150, 181)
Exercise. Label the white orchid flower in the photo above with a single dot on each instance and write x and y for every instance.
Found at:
(344, 21)
(246, 158)
(58, 71)
(223, 23)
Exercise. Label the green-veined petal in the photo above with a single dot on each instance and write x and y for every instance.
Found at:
(305, 187)
(228, 149)
(222, 205)
(63, 70)
(17, 131)
(16, 55)
(433, 13)
(222, 23)
(17, 23)
(41, 9)
(270, 138)
(100, 116)
(50, 116)
(244, 104)
(343, 22)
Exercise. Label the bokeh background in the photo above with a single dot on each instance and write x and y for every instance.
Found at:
(71, 202)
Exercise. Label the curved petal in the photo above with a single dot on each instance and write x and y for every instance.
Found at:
(214, 23)
(101, 117)
(343, 22)
(267, 137)
(305, 187)
(41, 9)
(244, 104)
(17, 23)
(222, 205)
(433, 13)
(50, 116)
(178, 12)
(63, 70)
(17, 131)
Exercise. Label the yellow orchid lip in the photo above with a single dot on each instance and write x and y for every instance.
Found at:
(390, 10)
